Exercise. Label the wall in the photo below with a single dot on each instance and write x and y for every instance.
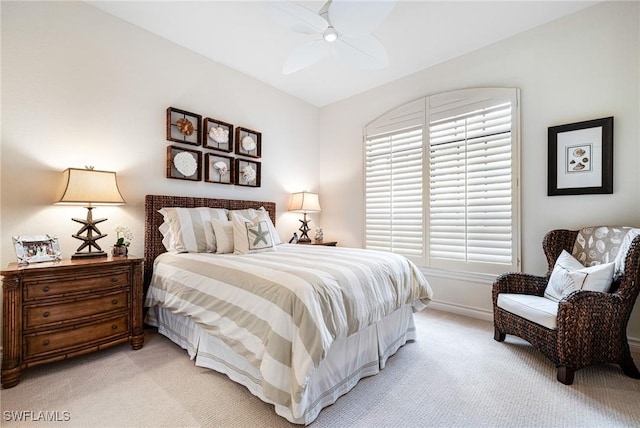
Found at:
(584, 66)
(80, 87)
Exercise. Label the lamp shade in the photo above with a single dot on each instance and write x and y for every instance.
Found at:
(88, 186)
(305, 202)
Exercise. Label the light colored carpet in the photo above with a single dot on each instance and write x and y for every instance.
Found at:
(454, 375)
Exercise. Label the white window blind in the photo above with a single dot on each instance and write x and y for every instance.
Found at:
(470, 179)
(441, 181)
(393, 177)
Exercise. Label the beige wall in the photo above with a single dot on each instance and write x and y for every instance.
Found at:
(582, 67)
(80, 87)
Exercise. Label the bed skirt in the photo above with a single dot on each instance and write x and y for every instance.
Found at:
(350, 359)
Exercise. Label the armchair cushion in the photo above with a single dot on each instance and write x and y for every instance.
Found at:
(539, 310)
(570, 275)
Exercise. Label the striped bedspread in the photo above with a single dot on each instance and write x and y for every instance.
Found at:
(282, 310)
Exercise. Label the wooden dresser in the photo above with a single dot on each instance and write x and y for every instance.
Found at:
(56, 310)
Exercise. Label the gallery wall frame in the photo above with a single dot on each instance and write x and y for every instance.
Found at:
(183, 126)
(218, 168)
(217, 135)
(184, 164)
(580, 158)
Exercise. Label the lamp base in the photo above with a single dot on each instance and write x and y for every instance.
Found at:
(304, 229)
(89, 241)
(90, 255)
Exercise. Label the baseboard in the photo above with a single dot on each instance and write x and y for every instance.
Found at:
(634, 342)
(462, 310)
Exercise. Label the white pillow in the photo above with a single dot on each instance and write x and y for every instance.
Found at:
(570, 275)
(223, 230)
(190, 229)
(251, 235)
(251, 213)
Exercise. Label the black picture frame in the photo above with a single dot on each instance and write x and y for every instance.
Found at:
(580, 158)
(183, 126)
(214, 174)
(248, 142)
(215, 140)
(184, 164)
(241, 176)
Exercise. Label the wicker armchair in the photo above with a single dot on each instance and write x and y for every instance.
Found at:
(591, 326)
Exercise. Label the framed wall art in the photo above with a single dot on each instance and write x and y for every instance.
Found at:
(184, 164)
(248, 142)
(218, 169)
(183, 126)
(36, 248)
(217, 135)
(580, 157)
(247, 173)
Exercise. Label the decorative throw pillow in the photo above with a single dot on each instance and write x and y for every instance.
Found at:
(223, 230)
(251, 235)
(570, 275)
(251, 213)
(190, 229)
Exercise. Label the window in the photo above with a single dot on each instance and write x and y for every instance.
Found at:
(441, 181)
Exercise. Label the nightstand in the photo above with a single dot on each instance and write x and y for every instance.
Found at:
(56, 310)
(325, 243)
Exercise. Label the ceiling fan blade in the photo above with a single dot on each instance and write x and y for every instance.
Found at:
(296, 17)
(306, 55)
(356, 18)
(364, 52)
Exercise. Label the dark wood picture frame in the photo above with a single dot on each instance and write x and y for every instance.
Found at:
(240, 176)
(183, 126)
(580, 158)
(179, 165)
(212, 173)
(210, 139)
(245, 139)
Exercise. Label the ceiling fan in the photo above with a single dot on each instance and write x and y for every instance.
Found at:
(345, 27)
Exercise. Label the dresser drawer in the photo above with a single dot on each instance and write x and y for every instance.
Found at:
(74, 284)
(55, 313)
(82, 336)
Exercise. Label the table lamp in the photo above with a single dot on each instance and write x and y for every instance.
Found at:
(304, 202)
(90, 187)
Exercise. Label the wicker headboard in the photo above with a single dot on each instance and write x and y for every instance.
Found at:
(153, 219)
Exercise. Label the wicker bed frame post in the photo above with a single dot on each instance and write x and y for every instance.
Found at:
(153, 219)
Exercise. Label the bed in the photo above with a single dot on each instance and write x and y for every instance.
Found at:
(297, 325)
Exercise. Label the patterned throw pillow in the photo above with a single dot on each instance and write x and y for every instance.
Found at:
(251, 235)
(251, 213)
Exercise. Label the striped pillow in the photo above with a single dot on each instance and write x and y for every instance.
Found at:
(190, 229)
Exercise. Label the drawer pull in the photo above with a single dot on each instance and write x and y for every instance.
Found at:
(46, 314)
(114, 301)
(114, 327)
(46, 289)
(45, 342)
(115, 279)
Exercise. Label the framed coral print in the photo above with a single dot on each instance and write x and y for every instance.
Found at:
(248, 142)
(218, 169)
(183, 126)
(36, 248)
(580, 158)
(247, 173)
(217, 135)
(184, 164)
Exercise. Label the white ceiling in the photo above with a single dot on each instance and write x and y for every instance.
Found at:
(416, 35)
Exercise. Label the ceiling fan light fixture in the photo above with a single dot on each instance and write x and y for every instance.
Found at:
(330, 34)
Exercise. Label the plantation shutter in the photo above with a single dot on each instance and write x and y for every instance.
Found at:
(441, 181)
(472, 219)
(394, 216)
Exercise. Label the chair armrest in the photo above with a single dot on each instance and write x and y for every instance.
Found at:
(518, 283)
(590, 325)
